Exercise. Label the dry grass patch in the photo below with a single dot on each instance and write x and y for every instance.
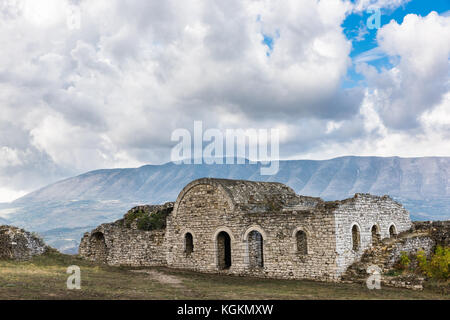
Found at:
(45, 277)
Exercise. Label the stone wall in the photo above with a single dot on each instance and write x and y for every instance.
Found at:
(115, 244)
(365, 211)
(439, 231)
(386, 254)
(18, 244)
(409, 245)
(206, 210)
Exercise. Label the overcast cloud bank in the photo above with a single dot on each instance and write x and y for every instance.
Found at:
(110, 93)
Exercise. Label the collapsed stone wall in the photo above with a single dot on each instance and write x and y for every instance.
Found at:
(439, 231)
(409, 245)
(117, 244)
(364, 214)
(148, 217)
(386, 255)
(18, 244)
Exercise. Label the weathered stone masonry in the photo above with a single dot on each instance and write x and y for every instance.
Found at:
(246, 211)
(253, 228)
(365, 212)
(18, 244)
(114, 244)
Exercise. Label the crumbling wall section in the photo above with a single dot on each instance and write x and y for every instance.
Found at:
(386, 255)
(439, 231)
(18, 244)
(116, 244)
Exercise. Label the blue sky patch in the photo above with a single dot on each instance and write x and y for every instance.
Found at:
(364, 42)
(269, 41)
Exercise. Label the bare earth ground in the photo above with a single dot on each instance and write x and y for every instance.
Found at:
(45, 277)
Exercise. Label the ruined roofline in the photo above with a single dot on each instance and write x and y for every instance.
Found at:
(367, 196)
(259, 196)
(229, 183)
(246, 194)
(233, 182)
(243, 192)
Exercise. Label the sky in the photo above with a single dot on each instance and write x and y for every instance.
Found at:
(103, 84)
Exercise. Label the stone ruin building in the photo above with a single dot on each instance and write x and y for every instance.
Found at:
(251, 228)
(18, 244)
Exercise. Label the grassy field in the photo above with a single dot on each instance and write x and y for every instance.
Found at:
(45, 277)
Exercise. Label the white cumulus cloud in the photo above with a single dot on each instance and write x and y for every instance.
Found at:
(110, 93)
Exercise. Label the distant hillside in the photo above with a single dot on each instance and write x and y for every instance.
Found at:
(76, 204)
(4, 211)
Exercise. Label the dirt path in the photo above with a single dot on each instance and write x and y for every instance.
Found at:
(163, 278)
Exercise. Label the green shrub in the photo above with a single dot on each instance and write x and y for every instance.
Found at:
(422, 260)
(147, 221)
(393, 273)
(154, 221)
(132, 216)
(404, 260)
(438, 265)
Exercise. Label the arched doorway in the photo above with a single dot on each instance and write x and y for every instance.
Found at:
(376, 237)
(392, 231)
(98, 247)
(255, 244)
(223, 250)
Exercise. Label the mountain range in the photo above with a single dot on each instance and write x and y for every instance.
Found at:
(63, 211)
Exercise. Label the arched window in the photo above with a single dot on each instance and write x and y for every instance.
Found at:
(188, 244)
(255, 249)
(392, 231)
(98, 250)
(223, 250)
(376, 238)
(302, 244)
(355, 238)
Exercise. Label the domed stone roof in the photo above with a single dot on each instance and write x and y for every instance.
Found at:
(252, 196)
